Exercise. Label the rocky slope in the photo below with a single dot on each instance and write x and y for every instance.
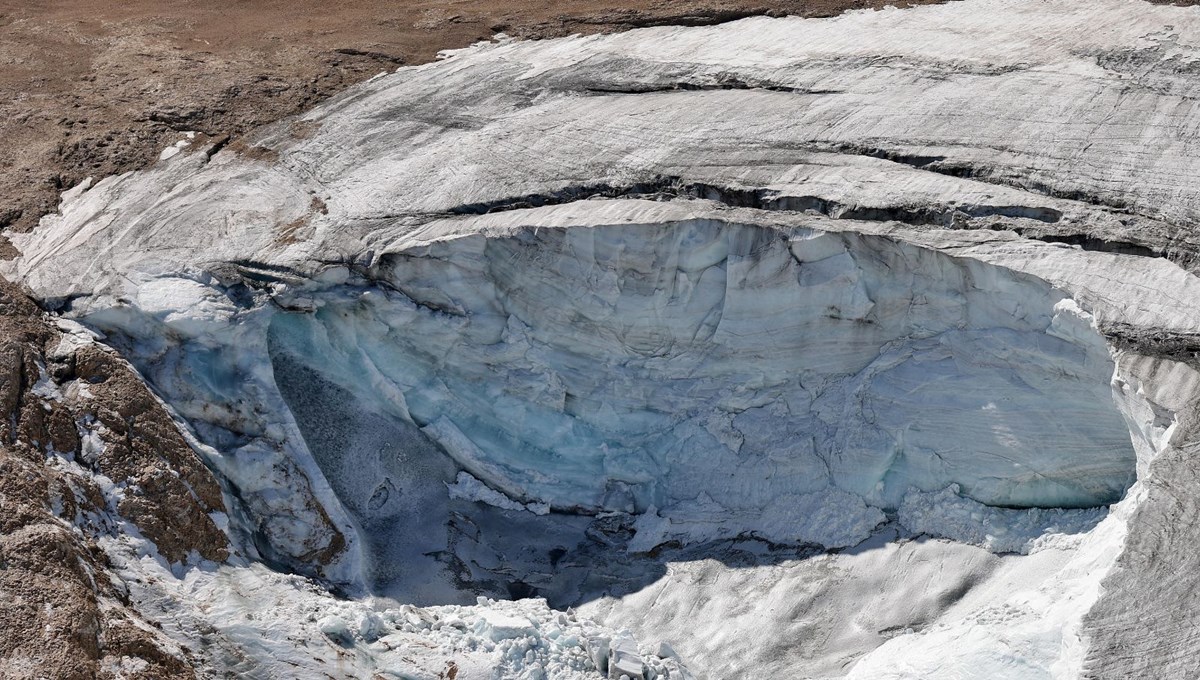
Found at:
(861, 347)
(89, 455)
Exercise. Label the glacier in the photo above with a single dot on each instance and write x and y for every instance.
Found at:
(793, 350)
(727, 379)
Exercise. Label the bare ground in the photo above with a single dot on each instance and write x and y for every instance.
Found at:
(63, 614)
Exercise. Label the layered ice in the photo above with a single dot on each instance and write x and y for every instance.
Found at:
(729, 377)
(947, 514)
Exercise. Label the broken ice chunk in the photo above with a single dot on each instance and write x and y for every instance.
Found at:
(624, 660)
(497, 626)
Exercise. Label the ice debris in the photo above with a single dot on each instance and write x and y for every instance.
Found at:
(950, 514)
(467, 487)
(516, 639)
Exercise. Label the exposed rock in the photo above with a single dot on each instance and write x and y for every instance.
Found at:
(62, 612)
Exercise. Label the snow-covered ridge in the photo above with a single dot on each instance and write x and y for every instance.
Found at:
(840, 280)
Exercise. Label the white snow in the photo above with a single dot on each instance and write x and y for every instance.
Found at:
(1013, 627)
(44, 387)
(174, 149)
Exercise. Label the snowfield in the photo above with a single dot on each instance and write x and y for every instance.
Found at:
(856, 347)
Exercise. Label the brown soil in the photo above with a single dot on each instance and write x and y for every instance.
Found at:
(98, 87)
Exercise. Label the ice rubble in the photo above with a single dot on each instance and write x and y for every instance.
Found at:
(507, 639)
(261, 623)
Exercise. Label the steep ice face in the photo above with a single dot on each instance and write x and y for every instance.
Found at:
(720, 375)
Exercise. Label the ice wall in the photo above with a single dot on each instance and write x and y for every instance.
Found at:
(788, 384)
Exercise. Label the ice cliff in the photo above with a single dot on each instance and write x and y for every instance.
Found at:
(688, 311)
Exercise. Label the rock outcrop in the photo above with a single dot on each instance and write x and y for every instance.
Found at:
(88, 454)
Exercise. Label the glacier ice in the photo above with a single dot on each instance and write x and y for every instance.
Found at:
(792, 384)
(713, 380)
(615, 369)
(948, 514)
(728, 379)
